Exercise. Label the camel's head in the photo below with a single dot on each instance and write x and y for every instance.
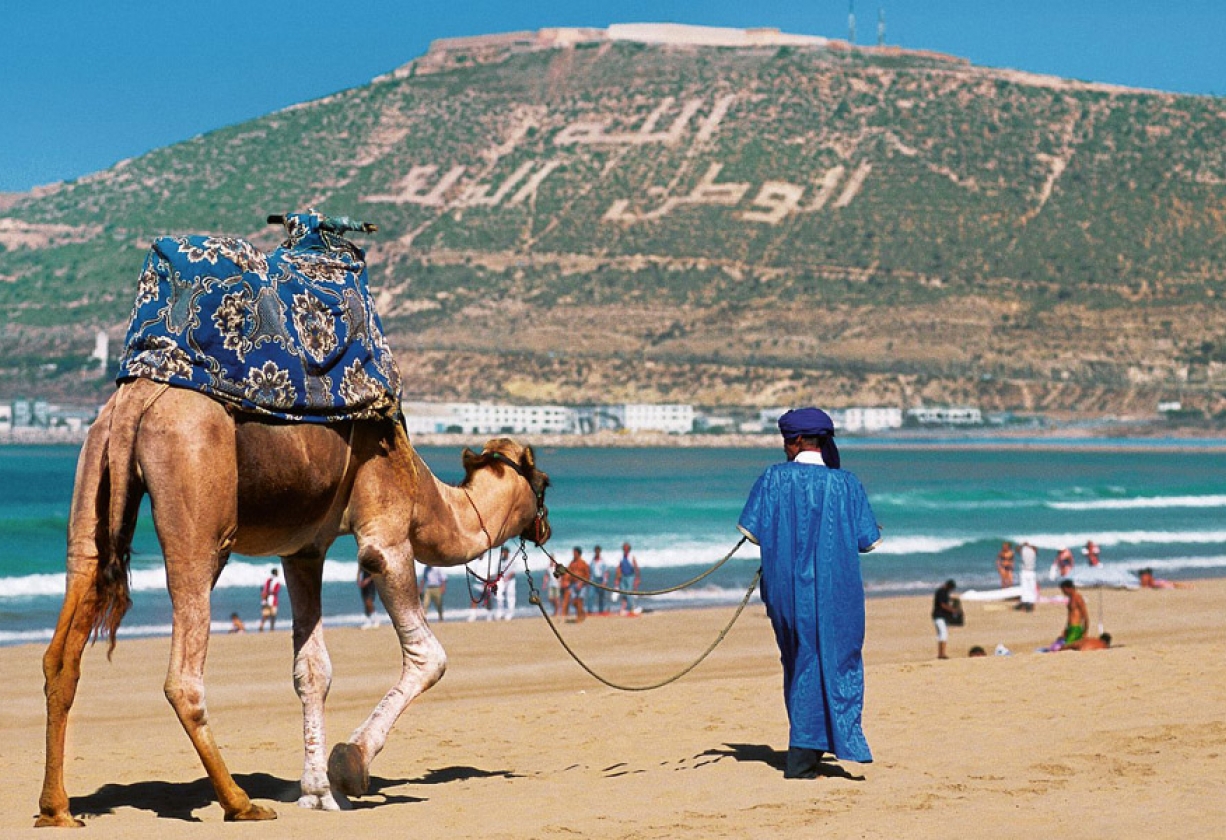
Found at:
(504, 453)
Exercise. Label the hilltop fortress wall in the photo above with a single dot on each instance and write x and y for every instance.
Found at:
(482, 49)
(642, 33)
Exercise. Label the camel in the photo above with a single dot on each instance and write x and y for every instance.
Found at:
(221, 483)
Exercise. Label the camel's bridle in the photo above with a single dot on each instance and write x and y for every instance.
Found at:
(538, 533)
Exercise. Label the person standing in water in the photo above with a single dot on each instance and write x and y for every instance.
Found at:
(628, 578)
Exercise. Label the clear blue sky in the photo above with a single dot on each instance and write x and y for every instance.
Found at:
(85, 84)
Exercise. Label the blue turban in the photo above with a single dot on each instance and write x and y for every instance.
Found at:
(812, 422)
(809, 422)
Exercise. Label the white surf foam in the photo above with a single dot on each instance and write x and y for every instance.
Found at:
(1143, 503)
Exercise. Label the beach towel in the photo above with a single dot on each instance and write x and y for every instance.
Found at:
(291, 334)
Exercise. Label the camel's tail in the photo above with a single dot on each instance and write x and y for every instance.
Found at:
(117, 494)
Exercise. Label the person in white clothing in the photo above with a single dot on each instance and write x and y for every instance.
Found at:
(1029, 577)
(504, 592)
(270, 595)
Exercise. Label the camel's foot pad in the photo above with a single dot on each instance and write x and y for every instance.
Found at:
(58, 821)
(252, 813)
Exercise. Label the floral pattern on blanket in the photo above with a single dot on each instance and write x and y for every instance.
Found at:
(292, 334)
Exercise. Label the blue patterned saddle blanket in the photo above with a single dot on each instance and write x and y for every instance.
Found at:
(292, 334)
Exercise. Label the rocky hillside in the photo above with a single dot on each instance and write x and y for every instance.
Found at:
(592, 216)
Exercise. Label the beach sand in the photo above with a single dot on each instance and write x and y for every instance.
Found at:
(518, 742)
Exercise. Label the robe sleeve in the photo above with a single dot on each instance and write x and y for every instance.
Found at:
(868, 532)
(750, 524)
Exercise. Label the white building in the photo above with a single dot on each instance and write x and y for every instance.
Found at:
(854, 419)
(674, 418)
(487, 418)
(497, 418)
(874, 419)
(945, 416)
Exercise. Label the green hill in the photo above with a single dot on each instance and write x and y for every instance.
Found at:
(611, 220)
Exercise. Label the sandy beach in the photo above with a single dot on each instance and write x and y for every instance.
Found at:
(518, 742)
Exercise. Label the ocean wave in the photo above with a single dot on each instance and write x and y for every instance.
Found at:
(1143, 503)
(914, 501)
(920, 544)
(1113, 539)
(1172, 564)
(236, 575)
(1107, 499)
(25, 637)
(901, 587)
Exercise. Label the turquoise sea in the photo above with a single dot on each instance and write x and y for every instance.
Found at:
(944, 509)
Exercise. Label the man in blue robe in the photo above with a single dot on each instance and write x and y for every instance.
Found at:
(812, 520)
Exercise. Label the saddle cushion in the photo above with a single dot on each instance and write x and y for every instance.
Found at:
(292, 334)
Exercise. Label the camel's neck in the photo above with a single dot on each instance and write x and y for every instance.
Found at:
(452, 525)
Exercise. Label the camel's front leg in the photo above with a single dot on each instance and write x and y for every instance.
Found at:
(422, 665)
(312, 674)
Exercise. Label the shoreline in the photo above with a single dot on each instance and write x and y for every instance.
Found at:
(1055, 440)
(457, 613)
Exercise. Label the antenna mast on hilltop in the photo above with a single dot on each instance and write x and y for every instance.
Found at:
(851, 21)
(881, 26)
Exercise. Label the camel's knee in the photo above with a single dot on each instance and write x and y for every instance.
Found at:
(60, 680)
(312, 674)
(425, 661)
(371, 559)
(438, 663)
(187, 699)
(433, 663)
(62, 660)
(59, 668)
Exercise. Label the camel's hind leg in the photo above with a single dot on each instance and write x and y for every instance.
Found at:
(187, 456)
(62, 673)
(62, 661)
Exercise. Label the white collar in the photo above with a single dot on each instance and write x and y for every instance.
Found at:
(809, 456)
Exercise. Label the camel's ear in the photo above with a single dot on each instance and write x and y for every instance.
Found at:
(529, 458)
(471, 461)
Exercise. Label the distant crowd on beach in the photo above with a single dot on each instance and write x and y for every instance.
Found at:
(1062, 565)
(592, 588)
(947, 609)
(574, 591)
(947, 612)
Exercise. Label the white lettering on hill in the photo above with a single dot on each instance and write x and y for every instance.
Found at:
(668, 124)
